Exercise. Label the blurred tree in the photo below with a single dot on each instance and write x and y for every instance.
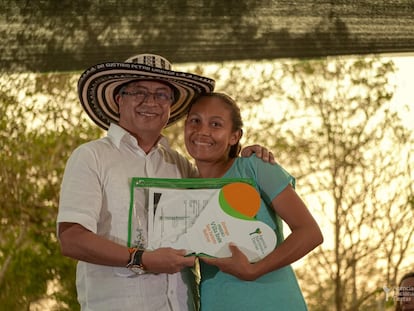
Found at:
(37, 134)
(356, 161)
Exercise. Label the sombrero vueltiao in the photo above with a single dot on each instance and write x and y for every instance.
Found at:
(97, 85)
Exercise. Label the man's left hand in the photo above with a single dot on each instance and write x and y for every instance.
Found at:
(261, 153)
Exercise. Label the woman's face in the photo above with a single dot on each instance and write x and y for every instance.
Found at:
(406, 294)
(208, 130)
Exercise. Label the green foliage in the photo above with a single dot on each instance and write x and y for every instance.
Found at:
(33, 158)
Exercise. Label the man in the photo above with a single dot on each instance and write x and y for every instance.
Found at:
(134, 101)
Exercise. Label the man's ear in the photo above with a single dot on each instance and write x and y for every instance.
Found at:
(117, 98)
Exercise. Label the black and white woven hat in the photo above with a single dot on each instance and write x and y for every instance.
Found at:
(98, 85)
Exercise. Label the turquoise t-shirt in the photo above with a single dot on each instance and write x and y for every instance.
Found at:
(277, 290)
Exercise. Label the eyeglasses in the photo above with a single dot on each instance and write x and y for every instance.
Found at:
(142, 95)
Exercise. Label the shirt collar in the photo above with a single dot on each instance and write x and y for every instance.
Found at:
(116, 134)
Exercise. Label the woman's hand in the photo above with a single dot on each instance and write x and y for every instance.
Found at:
(237, 265)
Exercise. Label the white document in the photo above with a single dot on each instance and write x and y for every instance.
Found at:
(172, 211)
(195, 220)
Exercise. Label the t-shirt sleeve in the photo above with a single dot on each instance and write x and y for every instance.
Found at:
(271, 178)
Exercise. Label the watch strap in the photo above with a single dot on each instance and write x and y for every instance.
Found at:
(135, 260)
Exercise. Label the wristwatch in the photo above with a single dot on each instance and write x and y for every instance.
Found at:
(135, 261)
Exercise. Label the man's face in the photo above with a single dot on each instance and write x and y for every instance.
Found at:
(144, 107)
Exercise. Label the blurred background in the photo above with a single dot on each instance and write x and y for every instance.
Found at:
(325, 85)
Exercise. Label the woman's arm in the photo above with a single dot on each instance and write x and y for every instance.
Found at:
(305, 236)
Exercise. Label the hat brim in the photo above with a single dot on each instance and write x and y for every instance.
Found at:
(97, 84)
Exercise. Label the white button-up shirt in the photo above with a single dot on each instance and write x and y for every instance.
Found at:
(95, 193)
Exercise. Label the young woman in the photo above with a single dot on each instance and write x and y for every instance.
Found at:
(213, 130)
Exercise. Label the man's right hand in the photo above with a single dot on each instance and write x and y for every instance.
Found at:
(166, 260)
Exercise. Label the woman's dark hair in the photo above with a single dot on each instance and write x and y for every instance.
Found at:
(235, 116)
(406, 276)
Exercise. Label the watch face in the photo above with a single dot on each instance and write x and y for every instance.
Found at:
(135, 264)
(137, 269)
